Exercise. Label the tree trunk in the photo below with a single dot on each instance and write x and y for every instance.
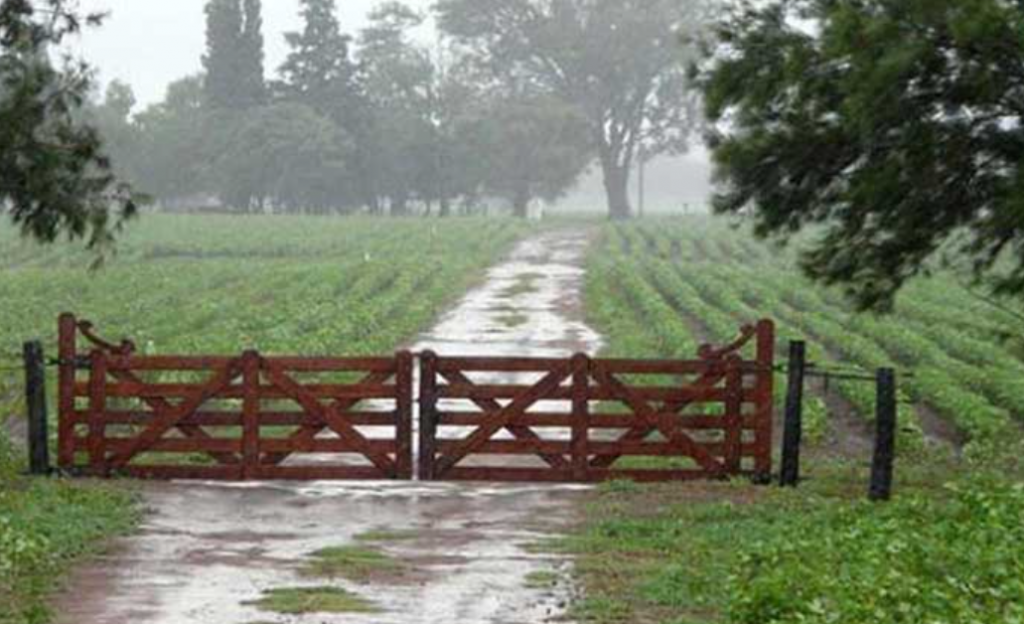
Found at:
(399, 206)
(521, 204)
(616, 186)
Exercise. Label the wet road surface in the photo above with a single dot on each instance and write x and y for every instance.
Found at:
(207, 549)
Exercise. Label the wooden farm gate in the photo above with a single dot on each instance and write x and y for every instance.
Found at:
(578, 419)
(235, 418)
(585, 419)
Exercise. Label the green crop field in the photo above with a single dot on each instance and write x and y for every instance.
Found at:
(664, 287)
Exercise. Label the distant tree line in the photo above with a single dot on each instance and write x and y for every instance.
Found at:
(513, 103)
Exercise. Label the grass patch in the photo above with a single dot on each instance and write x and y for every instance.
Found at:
(387, 535)
(546, 546)
(300, 600)
(514, 320)
(947, 549)
(542, 579)
(524, 284)
(355, 563)
(46, 525)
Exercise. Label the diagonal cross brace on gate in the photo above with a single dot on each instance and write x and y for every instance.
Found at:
(329, 417)
(501, 418)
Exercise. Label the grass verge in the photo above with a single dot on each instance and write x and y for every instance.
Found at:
(302, 600)
(46, 525)
(387, 535)
(542, 579)
(355, 563)
(946, 550)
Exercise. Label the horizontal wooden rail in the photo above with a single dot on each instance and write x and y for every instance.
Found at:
(134, 390)
(169, 363)
(565, 393)
(234, 419)
(640, 449)
(235, 445)
(595, 421)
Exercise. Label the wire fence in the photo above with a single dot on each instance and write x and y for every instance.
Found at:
(840, 372)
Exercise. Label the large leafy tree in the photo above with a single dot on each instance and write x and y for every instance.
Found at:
(54, 175)
(173, 151)
(528, 147)
(621, 62)
(398, 76)
(894, 126)
(282, 156)
(112, 117)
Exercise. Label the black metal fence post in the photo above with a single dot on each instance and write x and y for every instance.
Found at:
(35, 399)
(885, 442)
(793, 428)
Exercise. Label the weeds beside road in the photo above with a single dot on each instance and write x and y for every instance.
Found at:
(46, 525)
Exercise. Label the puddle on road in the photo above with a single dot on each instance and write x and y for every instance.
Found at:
(208, 548)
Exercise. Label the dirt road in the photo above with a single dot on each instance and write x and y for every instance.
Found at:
(207, 550)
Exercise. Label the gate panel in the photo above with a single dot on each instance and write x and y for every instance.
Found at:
(504, 396)
(586, 420)
(248, 417)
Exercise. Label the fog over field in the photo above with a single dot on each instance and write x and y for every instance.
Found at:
(149, 45)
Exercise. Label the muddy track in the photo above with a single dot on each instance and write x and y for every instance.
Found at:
(204, 550)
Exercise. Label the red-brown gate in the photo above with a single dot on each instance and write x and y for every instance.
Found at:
(578, 419)
(584, 419)
(247, 417)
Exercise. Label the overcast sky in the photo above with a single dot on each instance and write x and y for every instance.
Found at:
(150, 43)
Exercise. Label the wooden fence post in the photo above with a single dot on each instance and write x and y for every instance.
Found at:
(765, 397)
(428, 415)
(885, 441)
(251, 365)
(793, 430)
(97, 439)
(734, 417)
(68, 366)
(35, 399)
(403, 410)
(580, 417)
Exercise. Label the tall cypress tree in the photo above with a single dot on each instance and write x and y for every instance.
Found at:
(223, 25)
(254, 89)
(234, 54)
(318, 72)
